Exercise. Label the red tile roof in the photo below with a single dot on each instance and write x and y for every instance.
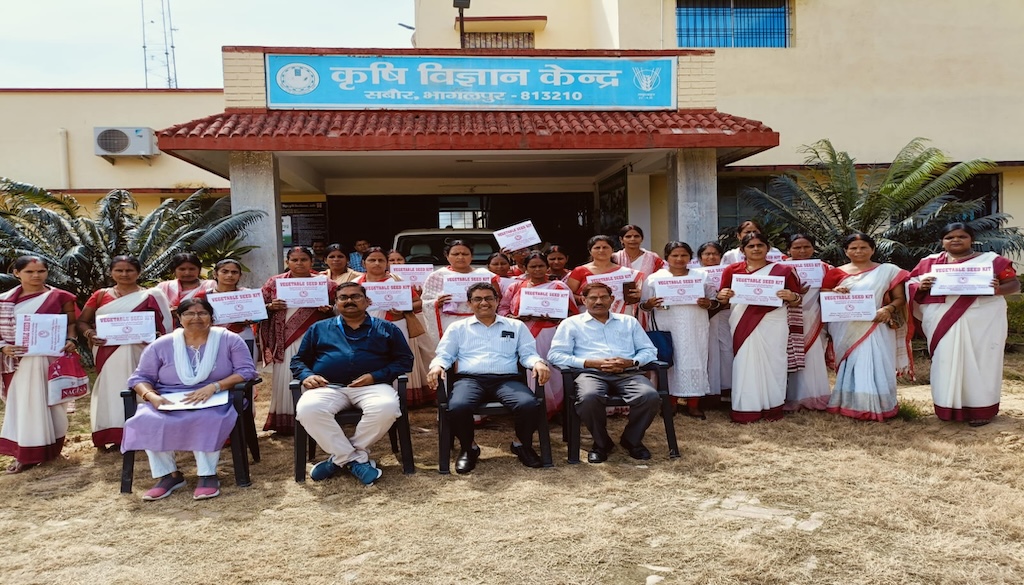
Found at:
(296, 130)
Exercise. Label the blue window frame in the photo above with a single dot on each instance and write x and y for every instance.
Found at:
(732, 23)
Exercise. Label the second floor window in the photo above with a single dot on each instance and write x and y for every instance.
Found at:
(732, 23)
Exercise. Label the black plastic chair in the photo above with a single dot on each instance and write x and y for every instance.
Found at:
(445, 440)
(572, 420)
(241, 399)
(400, 434)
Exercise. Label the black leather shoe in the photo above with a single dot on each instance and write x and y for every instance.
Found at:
(527, 456)
(467, 460)
(636, 451)
(597, 455)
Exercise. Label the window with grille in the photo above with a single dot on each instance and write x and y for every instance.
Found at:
(507, 40)
(732, 23)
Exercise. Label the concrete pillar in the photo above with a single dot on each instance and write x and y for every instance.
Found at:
(255, 185)
(693, 195)
(638, 188)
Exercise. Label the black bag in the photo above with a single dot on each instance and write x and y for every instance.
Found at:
(662, 340)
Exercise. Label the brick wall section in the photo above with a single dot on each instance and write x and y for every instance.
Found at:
(244, 80)
(695, 81)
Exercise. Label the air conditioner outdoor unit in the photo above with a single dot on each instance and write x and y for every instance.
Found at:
(111, 142)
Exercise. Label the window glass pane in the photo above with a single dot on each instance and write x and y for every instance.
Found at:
(732, 23)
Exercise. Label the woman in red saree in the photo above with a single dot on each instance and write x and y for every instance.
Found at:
(116, 363)
(33, 431)
(542, 328)
(281, 334)
(186, 283)
(602, 268)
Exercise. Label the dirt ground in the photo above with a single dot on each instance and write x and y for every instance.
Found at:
(814, 498)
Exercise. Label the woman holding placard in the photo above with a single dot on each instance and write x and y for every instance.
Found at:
(33, 429)
(541, 326)
(186, 283)
(687, 322)
(444, 308)
(869, 353)
(623, 280)
(966, 332)
(281, 334)
(809, 387)
(767, 338)
(226, 275)
(115, 363)
(376, 264)
(719, 334)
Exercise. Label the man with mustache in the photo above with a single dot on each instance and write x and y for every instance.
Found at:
(610, 348)
(345, 362)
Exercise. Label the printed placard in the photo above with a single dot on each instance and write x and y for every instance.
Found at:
(457, 285)
(416, 274)
(126, 328)
(516, 237)
(836, 307)
(679, 290)
(237, 306)
(757, 290)
(962, 279)
(714, 275)
(811, 272)
(389, 295)
(303, 292)
(613, 279)
(42, 334)
(544, 302)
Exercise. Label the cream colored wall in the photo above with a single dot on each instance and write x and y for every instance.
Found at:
(30, 143)
(569, 23)
(659, 214)
(1012, 195)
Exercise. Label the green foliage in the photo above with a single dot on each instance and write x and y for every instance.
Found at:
(903, 205)
(78, 248)
(910, 410)
(1015, 315)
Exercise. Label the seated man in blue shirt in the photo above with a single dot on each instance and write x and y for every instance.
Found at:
(487, 346)
(610, 348)
(345, 362)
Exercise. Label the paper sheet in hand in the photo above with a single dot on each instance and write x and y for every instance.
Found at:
(679, 290)
(552, 303)
(836, 307)
(237, 306)
(218, 399)
(613, 279)
(961, 279)
(416, 274)
(303, 292)
(714, 275)
(757, 290)
(126, 328)
(517, 237)
(457, 285)
(389, 295)
(811, 272)
(42, 334)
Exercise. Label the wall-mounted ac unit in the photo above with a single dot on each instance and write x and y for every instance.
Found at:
(111, 142)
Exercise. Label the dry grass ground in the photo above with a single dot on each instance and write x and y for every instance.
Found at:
(811, 499)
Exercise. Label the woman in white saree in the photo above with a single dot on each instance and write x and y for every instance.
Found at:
(966, 333)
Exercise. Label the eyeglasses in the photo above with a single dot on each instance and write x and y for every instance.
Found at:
(600, 298)
(195, 315)
(482, 299)
(344, 298)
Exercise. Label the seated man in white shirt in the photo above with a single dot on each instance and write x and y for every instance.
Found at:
(488, 347)
(610, 348)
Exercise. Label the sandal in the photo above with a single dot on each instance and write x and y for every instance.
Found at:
(18, 467)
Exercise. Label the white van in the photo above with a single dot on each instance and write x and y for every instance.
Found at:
(427, 246)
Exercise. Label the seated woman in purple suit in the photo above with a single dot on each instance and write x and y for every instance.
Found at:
(201, 360)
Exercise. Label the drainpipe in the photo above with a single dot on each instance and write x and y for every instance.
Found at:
(62, 159)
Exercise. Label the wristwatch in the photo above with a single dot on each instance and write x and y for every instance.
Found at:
(636, 364)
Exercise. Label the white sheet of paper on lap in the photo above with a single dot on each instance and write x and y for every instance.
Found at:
(811, 272)
(757, 290)
(415, 274)
(126, 328)
(679, 290)
(42, 334)
(303, 292)
(237, 306)
(836, 307)
(962, 279)
(516, 237)
(176, 398)
(714, 275)
(389, 295)
(456, 285)
(552, 303)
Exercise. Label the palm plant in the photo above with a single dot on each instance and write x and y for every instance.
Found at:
(78, 248)
(903, 205)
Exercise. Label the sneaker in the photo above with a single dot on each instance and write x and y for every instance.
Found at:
(326, 469)
(209, 487)
(164, 487)
(364, 472)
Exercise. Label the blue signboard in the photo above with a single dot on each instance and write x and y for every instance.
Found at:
(364, 82)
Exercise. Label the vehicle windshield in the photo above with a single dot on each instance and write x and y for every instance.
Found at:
(429, 248)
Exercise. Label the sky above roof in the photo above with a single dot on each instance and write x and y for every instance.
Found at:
(99, 43)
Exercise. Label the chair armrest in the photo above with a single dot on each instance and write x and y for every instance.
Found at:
(655, 365)
(443, 388)
(295, 387)
(403, 387)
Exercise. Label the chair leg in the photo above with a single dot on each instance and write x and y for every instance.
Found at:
(300, 452)
(565, 422)
(544, 438)
(405, 440)
(444, 444)
(311, 449)
(127, 471)
(249, 426)
(239, 457)
(572, 427)
(393, 435)
(668, 415)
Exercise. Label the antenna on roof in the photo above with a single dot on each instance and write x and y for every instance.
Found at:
(159, 64)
